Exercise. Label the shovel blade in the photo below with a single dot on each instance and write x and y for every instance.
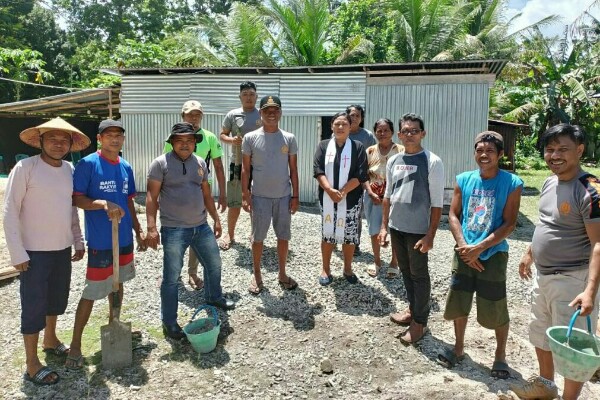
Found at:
(234, 193)
(116, 345)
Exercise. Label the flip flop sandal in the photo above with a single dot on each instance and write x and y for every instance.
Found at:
(225, 244)
(74, 363)
(196, 283)
(413, 341)
(392, 272)
(500, 370)
(449, 359)
(373, 270)
(255, 288)
(352, 278)
(40, 377)
(290, 284)
(60, 350)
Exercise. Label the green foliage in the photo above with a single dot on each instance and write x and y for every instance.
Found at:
(22, 65)
(358, 22)
(527, 154)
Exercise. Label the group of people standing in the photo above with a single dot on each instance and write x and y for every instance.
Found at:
(398, 188)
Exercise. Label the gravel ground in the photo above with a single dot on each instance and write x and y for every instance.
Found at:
(273, 345)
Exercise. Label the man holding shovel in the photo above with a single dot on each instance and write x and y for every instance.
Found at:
(39, 241)
(566, 251)
(103, 186)
(236, 124)
(180, 179)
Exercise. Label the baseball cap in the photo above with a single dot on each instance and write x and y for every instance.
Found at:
(489, 136)
(107, 123)
(190, 106)
(270, 101)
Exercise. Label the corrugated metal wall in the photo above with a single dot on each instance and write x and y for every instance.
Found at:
(145, 139)
(146, 134)
(453, 115)
(321, 94)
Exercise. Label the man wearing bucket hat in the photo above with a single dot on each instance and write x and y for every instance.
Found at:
(566, 251)
(39, 242)
(104, 185)
(484, 211)
(208, 148)
(273, 155)
(236, 124)
(180, 179)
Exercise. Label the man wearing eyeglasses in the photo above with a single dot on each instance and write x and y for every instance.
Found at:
(412, 206)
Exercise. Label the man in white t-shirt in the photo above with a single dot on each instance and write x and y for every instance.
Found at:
(40, 242)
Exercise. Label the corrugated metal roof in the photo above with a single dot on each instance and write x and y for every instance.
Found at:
(414, 68)
(91, 103)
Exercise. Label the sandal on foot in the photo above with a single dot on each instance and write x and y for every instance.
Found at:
(352, 278)
(60, 350)
(325, 280)
(74, 363)
(449, 359)
(403, 318)
(225, 243)
(289, 284)
(373, 270)
(195, 282)
(500, 370)
(39, 378)
(407, 337)
(392, 272)
(255, 287)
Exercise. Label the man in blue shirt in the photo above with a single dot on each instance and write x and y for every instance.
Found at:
(483, 213)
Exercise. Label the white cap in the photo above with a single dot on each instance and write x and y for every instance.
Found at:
(190, 106)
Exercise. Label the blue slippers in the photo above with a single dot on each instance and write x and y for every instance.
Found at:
(325, 280)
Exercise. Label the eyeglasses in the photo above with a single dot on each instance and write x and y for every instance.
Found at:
(411, 132)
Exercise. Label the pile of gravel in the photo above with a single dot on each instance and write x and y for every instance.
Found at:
(313, 342)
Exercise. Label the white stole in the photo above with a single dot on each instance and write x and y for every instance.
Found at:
(331, 227)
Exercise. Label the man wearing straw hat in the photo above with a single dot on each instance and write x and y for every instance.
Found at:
(103, 186)
(41, 226)
(180, 179)
(566, 251)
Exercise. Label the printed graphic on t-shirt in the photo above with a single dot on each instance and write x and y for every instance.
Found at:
(404, 183)
(481, 206)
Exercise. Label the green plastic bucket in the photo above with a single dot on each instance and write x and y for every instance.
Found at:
(575, 351)
(203, 332)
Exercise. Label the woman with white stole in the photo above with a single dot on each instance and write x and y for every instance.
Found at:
(340, 166)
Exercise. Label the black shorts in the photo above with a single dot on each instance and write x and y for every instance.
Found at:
(44, 288)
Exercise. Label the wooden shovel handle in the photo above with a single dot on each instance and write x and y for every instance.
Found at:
(115, 250)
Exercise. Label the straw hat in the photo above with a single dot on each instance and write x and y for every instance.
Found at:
(31, 136)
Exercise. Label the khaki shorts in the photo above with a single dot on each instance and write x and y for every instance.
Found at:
(550, 304)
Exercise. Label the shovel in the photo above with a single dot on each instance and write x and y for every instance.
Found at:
(116, 336)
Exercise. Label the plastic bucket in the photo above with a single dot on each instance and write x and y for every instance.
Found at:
(575, 351)
(203, 332)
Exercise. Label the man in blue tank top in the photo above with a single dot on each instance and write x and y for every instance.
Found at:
(483, 212)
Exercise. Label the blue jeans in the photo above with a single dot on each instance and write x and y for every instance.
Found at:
(175, 241)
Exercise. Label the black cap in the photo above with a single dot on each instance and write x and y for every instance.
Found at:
(270, 101)
(184, 128)
(107, 123)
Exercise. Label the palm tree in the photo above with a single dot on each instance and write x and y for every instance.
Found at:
(239, 39)
(301, 30)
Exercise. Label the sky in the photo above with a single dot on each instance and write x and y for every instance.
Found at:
(534, 10)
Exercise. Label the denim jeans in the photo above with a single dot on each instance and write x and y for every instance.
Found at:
(175, 241)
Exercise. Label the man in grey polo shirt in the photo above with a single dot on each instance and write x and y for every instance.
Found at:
(566, 251)
(180, 178)
(272, 153)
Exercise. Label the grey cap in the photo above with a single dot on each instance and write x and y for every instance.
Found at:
(107, 123)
